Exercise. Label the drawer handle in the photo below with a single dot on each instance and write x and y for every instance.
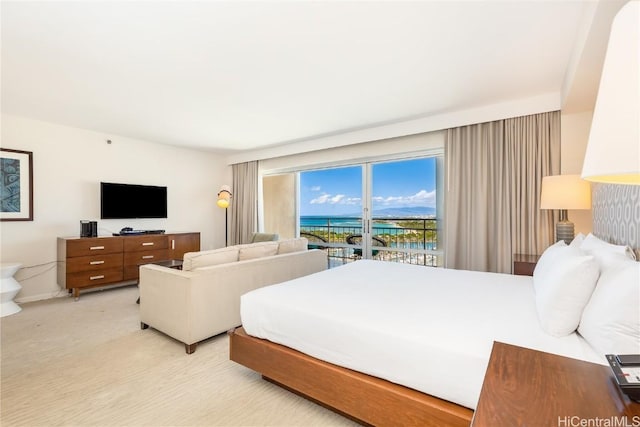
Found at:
(96, 262)
(147, 244)
(97, 277)
(96, 248)
(147, 257)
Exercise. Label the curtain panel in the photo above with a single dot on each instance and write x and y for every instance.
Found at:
(494, 175)
(244, 206)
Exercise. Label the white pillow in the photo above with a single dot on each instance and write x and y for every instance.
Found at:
(545, 260)
(577, 241)
(611, 320)
(563, 280)
(596, 246)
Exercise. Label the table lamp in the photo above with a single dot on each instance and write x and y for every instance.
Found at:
(613, 150)
(565, 192)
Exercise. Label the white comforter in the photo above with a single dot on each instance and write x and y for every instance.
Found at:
(430, 329)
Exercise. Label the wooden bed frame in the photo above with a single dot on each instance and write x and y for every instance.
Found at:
(363, 398)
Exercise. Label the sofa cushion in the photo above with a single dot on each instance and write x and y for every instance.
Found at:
(257, 250)
(292, 245)
(195, 260)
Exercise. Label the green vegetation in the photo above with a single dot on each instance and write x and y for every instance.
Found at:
(421, 233)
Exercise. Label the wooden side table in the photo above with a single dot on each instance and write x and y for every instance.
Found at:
(525, 387)
(524, 265)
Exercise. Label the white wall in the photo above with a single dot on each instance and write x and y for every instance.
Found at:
(401, 147)
(417, 127)
(574, 136)
(70, 163)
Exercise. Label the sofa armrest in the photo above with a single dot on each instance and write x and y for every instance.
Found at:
(165, 300)
(193, 305)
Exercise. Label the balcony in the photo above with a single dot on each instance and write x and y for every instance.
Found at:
(405, 240)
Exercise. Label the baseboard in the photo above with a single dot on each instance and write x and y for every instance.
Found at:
(65, 293)
(56, 294)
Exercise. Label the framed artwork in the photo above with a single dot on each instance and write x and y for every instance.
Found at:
(16, 185)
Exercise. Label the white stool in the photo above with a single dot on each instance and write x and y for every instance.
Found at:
(9, 288)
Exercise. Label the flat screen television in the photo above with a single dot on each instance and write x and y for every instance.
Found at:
(121, 201)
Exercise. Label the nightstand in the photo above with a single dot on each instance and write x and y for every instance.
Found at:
(524, 265)
(529, 387)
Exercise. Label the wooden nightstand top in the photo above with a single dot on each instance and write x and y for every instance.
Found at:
(524, 387)
(524, 264)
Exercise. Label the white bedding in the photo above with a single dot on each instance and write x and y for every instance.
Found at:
(429, 329)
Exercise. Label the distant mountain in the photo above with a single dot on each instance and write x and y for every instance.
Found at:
(414, 211)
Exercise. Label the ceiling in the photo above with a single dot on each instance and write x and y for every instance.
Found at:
(237, 76)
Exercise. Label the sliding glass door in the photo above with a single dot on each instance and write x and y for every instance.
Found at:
(404, 211)
(377, 210)
(330, 207)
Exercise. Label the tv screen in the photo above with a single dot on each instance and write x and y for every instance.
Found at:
(119, 201)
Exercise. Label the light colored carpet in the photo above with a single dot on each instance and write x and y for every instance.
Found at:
(88, 363)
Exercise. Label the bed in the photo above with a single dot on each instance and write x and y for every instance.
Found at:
(415, 341)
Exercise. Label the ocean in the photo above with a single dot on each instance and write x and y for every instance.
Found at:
(339, 221)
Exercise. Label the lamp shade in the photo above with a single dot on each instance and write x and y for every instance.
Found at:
(224, 197)
(565, 192)
(613, 150)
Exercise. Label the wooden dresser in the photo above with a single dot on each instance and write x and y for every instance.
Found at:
(97, 261)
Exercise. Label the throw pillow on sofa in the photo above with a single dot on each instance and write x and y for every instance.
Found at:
(257, 250)
(292, 245)
(195, 260)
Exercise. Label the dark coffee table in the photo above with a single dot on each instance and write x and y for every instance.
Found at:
(172, 263)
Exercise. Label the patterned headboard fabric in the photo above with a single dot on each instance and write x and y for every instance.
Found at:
(616, 214)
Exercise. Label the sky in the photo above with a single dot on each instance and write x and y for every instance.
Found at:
(338, 191)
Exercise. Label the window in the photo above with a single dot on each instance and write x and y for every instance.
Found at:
(379, 210)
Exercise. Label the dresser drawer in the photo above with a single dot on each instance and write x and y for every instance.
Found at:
(145, 243)
(133, 260)
(145, 257)
(93, 278)
(94, 262)
(85, 247)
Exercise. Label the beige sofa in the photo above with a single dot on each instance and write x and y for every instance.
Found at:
(203, 299)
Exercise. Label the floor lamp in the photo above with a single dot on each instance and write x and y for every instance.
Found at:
(224, 200)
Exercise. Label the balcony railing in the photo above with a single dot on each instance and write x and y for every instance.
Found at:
(406, 240)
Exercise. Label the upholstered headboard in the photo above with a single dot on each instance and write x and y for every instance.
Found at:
(616, 214)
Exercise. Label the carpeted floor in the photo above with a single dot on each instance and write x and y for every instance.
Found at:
(88, 363)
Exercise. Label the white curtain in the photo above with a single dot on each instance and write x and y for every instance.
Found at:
(244, 203)
(493, 178)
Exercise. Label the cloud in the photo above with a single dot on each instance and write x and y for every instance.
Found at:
(338, 199)
(421, 198)
(315, 188)
(320, 199)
